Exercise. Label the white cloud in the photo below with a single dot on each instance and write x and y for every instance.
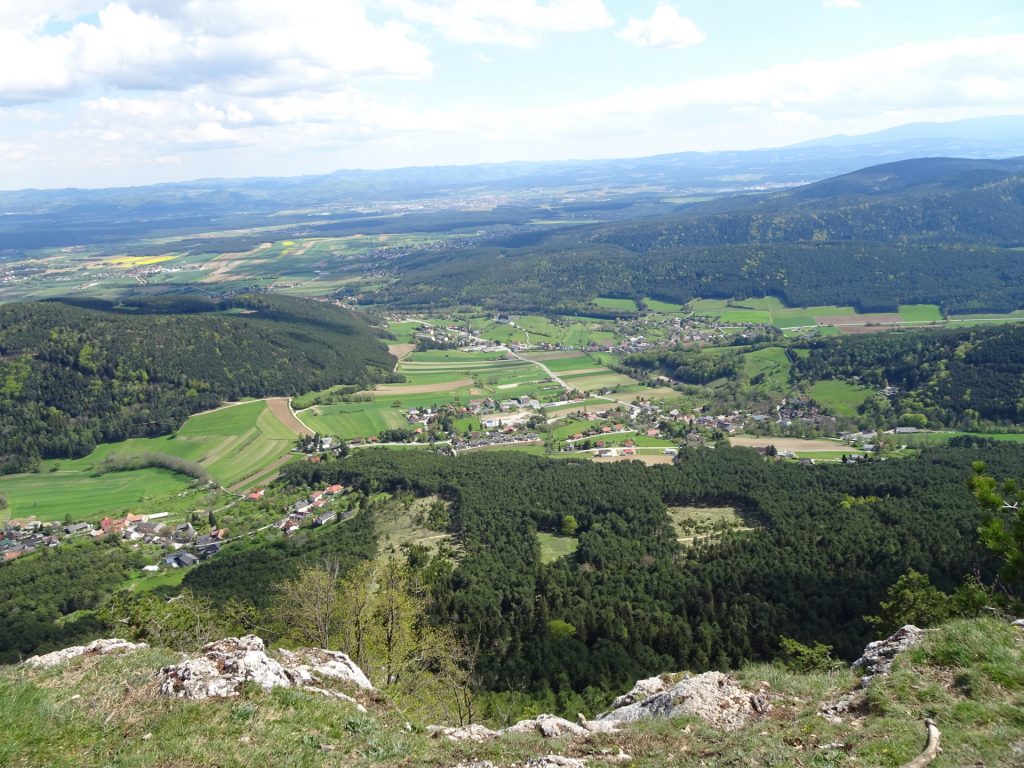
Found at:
(841, 4)
(222, 128)
(665, 29)
(519, 23)
(243, 46)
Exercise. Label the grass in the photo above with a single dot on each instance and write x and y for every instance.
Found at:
(667, 308)
(622, 304)
(53, 495)
(555, 547)
(772, 364)
(967, 675)
(693, 523)
(839, 397)
(400, 524)
(920, 313)
(231, 443)
(348, 420)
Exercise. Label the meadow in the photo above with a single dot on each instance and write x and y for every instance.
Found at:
(839, 397)
(238, 445)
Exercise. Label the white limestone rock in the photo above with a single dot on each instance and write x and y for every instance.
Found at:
(878, 656)
(319, 664)
(711, 696)
(548, 726)
(102, 647)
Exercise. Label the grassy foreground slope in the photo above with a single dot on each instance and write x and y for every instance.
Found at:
(968, 676)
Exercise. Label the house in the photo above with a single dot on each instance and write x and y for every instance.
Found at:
(183, 534)
(181, 560)
(301, 507)
(316, 496)
(111, 527)
(334, 489)
(256, 495)
(323, 519)
(70, 530)
(150, 529)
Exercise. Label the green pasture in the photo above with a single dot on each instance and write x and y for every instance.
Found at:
(54, 495)
(920, 313)
(403, 332)
(665, 307)
(605, 302)
(771, 363)
(554, 547)
(839, 397)
(348, 420)
(452, 356)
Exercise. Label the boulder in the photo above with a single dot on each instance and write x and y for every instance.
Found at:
(226, 665)
(640, 691)
(878, 656)
(101, 647)
(554, 761)
(548, 726)
(711, 696)
(473, 732)
(320, 664)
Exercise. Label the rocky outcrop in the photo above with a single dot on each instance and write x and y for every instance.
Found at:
(103, 647)
(228, 664)
(548, 726)
(318, 664)
(711, 696)
(878, 656)
(876, 661)
(473, 732)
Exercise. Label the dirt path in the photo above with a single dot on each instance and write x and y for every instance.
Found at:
(789, 443)
(281, 408)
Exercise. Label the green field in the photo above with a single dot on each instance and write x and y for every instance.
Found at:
(667, 308)
(839, 397)
(770, 363)
(232, 443)
(403, 331)
(54, 495)
(348, 420)
(622, 304)
(920, 313)
(554, 547)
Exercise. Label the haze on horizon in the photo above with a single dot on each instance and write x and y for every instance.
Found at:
(98, 93)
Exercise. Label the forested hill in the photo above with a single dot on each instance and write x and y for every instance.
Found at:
(939, 230)
(75, 374)
(965, 377)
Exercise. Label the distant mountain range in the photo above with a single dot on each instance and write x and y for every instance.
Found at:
(48, 218)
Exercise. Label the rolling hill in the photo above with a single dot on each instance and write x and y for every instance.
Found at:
(78, 374)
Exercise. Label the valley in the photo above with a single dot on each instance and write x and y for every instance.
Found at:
(596, 473)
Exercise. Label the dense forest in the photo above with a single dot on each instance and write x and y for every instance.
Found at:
(75, 374)
(962, 377)
(37, 593)
(920, 231)
(828, 542)
(686, 365)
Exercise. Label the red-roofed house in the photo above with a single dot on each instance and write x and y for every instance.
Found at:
(333, 489)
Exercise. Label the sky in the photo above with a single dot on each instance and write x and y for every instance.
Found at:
(98, 93)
